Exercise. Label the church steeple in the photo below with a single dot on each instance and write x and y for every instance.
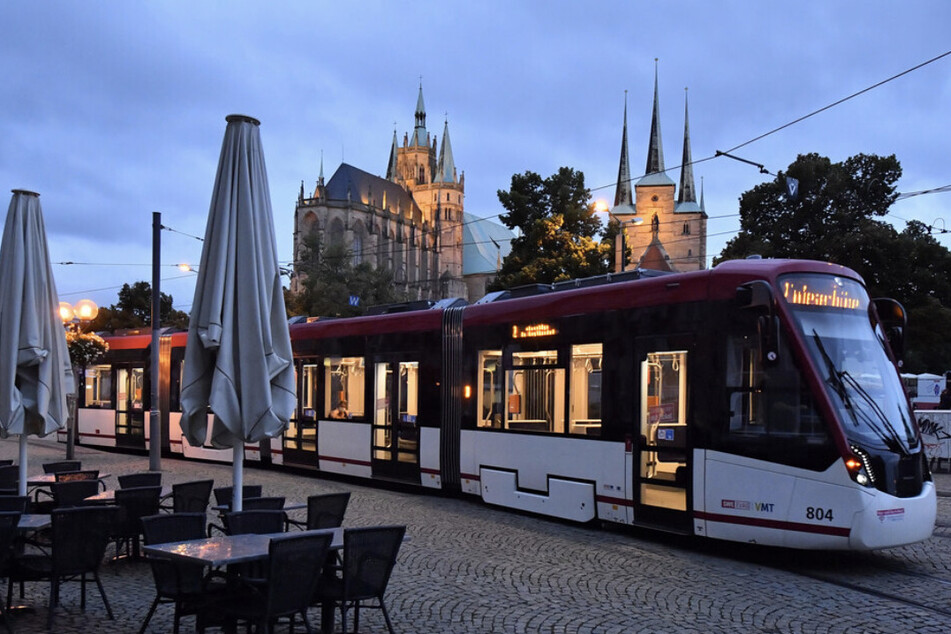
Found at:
(687, 191)
(391, 173)
(622, 195)
(446, 167)
(420, 136)
(655, 148)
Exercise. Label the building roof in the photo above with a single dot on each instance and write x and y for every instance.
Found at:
(352, 183)
(622, 195)
(446, 167)
(657, 178)
(485, 244)
(687, 193)
(655, 146)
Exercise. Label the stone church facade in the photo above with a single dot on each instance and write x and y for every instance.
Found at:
(665, 228)
(410, 221)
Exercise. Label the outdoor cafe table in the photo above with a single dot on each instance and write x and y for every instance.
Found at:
(34, 522)
(49, 479)
(288, 506)
(109, 495)
(225, 550)
(235, 549)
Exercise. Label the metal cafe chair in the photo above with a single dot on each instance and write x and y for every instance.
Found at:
(291, 574)
(369, 555)
(224, 495)
(9, 478)
(62, 465)
(144, 479)
(191, 497)
(273, 503)
(17, 503)
(80, 536)
(183, 584)
(260, 521)
(9, 519)
(325, 510)
(134, 504)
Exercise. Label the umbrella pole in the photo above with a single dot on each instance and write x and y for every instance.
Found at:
(238, 478)
(21, 483)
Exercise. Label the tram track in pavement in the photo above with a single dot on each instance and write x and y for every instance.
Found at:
(867, 574)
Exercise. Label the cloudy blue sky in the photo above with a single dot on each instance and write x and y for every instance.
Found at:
(112, 110)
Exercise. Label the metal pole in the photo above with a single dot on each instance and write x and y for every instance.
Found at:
(155, 424)
(623, 247)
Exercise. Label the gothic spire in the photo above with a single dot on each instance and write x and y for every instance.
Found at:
(687, 191)
(622, 195)
(420, 135)
(655, 149)
(391, 174)
(446, 168)
(320, 177)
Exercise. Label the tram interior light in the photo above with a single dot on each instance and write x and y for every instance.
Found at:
(467, 391)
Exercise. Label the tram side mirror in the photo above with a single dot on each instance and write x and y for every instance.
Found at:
(894, 319)
(758, 296)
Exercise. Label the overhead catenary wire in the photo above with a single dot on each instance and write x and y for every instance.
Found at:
(807, 116)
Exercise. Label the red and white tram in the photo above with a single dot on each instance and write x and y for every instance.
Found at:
(755, 402)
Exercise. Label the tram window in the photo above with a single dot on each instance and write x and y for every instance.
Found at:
(408, 431)
(138, 382)
(490, 389)
(98, 386)
(535, 392)
(585, 395)
(310, 376)
(772, 414)
(343, 387)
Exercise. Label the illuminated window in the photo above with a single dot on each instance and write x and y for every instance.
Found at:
(343, 387)
(535, 392)
(98, 386)
(490, 389)
(584, 409)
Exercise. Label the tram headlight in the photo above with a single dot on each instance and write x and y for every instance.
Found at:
(860, 468)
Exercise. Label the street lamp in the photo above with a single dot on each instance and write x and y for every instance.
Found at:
(187, 268)
(84, 310)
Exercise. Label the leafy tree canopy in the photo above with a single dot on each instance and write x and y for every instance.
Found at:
(558, 231)
(134, 310)
(837, 217)
(330, 278)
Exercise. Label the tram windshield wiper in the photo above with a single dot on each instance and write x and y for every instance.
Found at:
(868, 413)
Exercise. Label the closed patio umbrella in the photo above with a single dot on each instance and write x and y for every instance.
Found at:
(238, 359)
(35, 370)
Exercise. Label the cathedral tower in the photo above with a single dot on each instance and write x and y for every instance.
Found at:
(672, 233)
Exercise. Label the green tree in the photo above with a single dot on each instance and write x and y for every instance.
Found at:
(558, 230)
(330, 278)
(837, 217)
(134, 310)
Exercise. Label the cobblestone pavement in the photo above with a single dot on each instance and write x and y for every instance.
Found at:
(470, 568)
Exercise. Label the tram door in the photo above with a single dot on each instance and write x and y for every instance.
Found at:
(663, 475)
(394, 435)
(300, 437)
(130, 407)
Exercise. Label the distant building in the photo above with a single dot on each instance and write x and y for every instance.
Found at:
(410, 222)
(671, 234)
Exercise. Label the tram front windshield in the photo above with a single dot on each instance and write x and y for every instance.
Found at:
(865, 389)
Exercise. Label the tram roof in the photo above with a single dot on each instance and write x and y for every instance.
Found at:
(644, 288)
